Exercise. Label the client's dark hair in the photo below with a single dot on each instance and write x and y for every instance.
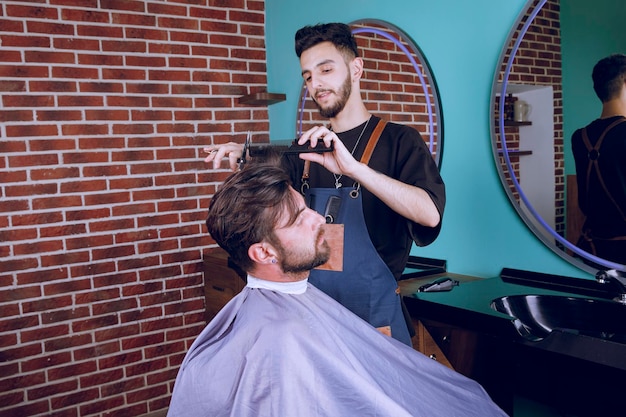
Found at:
(339, 34)
(609, 75)
(247, 208)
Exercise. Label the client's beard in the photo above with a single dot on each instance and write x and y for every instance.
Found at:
(322, 254)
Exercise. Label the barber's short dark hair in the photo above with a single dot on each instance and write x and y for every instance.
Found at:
(247, 208)
(609, 75)
(339, 34)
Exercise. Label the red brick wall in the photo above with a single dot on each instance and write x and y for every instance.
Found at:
(104, 108)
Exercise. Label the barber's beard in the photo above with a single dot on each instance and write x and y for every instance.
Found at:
(334, 109)
(296, 262)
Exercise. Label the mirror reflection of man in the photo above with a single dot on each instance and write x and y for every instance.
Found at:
(382, 176)
(281, 347)
(600, 155)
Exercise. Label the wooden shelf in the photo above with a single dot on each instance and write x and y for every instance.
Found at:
(262, 99)
(515, 123)
(517, 153)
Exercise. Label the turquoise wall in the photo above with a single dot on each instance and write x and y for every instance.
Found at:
(590, 31)
(482, 232)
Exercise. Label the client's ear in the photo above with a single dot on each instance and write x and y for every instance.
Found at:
(262, 253)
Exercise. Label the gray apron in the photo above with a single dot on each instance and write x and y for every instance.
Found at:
(365, 285)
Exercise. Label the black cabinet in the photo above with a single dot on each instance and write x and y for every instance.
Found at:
(563, 372)
(222, 281)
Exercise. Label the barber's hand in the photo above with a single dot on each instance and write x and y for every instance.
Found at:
(340, 161)
(216, 153)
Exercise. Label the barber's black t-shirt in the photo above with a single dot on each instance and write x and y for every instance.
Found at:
(401, 154)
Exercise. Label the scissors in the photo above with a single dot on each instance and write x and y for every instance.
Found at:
(242, 161)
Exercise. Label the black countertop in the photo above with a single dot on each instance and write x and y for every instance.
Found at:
(468, 306)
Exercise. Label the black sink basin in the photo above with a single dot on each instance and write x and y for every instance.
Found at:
(536, 316)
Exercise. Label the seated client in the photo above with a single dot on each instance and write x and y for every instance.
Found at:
(282, 347)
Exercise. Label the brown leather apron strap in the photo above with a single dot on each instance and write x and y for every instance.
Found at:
(373, 141)
(589, 161)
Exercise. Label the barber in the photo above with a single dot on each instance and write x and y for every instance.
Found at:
(380, 180)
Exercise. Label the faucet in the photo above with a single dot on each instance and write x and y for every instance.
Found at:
(615, 279)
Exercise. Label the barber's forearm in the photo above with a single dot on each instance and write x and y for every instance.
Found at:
(409, 201)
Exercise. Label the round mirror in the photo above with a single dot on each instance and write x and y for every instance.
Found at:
(397, 84)
(536, 106)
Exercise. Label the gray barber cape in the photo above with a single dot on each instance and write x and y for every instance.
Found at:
(269, 353)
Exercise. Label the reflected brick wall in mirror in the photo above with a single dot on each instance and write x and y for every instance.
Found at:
(538, 62)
